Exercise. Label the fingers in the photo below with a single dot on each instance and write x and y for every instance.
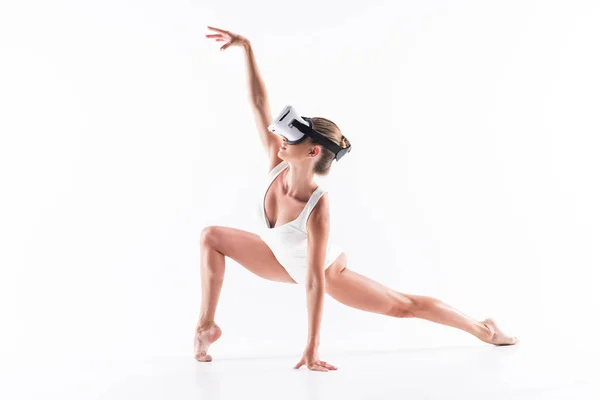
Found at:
(218, 38)
(317, 367)
(223, 36)
(327, 365)
(314, 366)
(217, 29)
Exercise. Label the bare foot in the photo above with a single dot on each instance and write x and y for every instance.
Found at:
(497, 337)
(203, 338)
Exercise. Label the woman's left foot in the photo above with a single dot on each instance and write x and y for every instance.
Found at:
(203, 338)
(497, 337)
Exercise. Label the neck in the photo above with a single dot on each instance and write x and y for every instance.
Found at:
(298, 181)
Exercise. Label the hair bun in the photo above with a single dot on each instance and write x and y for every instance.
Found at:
(345, 142)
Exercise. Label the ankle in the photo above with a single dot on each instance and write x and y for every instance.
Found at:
(204, 325)
(486, 332)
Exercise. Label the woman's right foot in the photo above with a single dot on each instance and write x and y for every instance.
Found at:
(203, 338)
(497, 337)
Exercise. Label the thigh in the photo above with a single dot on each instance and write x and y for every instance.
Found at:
(359, 291)
(248, 250)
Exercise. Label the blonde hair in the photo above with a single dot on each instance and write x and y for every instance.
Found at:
(330, 130)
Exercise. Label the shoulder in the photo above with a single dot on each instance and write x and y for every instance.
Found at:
(318, 220)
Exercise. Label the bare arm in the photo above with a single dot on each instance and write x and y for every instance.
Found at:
(317, 227)
(259, 101)
(258, 90)
(318, 235)
(257, 95)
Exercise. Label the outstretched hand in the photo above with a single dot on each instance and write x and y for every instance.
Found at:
(230, 38)
(310, 358)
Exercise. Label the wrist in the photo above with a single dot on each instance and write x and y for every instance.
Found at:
(313, 343)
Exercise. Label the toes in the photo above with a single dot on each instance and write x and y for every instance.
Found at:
(203, 357)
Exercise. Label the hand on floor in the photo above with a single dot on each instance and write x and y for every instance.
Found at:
(310, 358)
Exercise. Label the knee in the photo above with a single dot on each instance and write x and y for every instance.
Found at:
(419, 304)
(403, 309)
(208, 236)
(410, 306)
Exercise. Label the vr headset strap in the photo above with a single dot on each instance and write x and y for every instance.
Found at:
(329, 145)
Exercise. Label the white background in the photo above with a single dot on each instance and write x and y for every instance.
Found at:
(124, 132)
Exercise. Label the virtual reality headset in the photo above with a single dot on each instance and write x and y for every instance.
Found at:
(297, 128)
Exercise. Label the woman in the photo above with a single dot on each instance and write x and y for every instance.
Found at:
(293, 198)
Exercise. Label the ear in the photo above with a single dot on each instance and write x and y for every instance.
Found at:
(315, 151)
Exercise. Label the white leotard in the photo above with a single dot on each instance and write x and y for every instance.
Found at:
(289, 242)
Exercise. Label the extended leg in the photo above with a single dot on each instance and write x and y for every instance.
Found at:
(358, 291)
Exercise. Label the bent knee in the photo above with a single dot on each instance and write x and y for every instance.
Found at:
(209, 236)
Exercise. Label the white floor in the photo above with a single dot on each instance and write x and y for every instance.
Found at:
(480, 371)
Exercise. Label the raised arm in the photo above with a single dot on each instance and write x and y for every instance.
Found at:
(317, 228)
(258, 97)
(259, 100)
